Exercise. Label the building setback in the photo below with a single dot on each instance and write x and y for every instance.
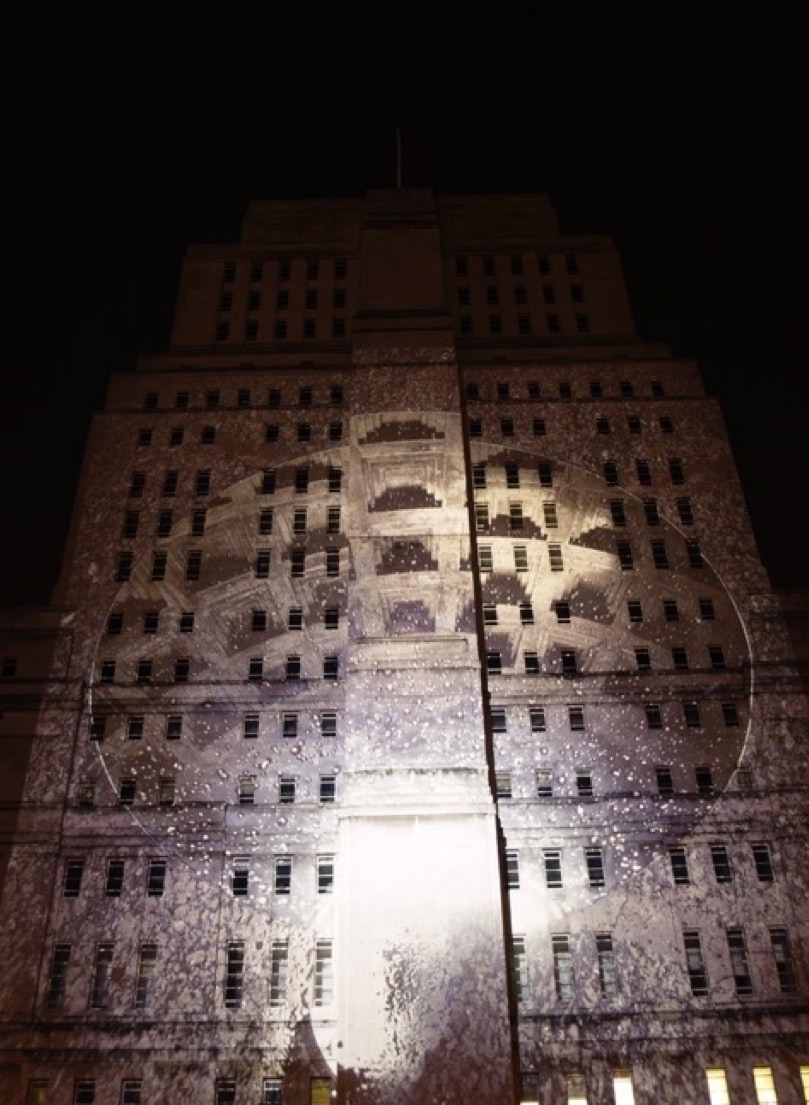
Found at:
(422, 728)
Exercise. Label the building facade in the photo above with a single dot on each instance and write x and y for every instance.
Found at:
(425, 729)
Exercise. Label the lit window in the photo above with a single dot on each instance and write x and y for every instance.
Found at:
(718, 1092)
(765, 1086)
(576, 1089)
(622, 1088)
(695, 963)
(562, 966)
(552, 861)
(233, 991)
(679, 866)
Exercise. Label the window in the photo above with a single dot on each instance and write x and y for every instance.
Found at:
(84, 1092)
(679, 658)
(617, 512)
(177, 435)
(569, 662)
(115, 624)
(279, 965)
(331, 617)
(502, 784)
(293, 668)
(526, 613)
(295, 618)
(262, 564)
(255, 672)
(193, 565)
(479, 476)
(98, 727)
(545, 474)
(165, 520)
(670, 610)
(596, 389)
(325, 874)
(763, 861)
(716, 654)
(507, 427)
(550, 515)
(679, 866)
(536, 716)
(208, 435)
(144, 978)
(625, 558)
(721, 863)
(240, 877)
(610, 473)
(782, 953)
(730, 715)
(156, 878)
(515, 516)
(130, 526)
(562, 966)
(717, 1086)
(584, 783)
(332, 562)
(268, 481)
(494, 663)
(243, 398)
(187, 621)
(323, 973)
(704, 778)
(765, 1086)
(498, 717)
(250, 725)
(676, 471)
(335, 479)
(635, 610)
(234, 986)
(273, 398)
(71, 883)
(212, 399)
(38, 1092)
(86, 795)
(304, 431)
(246, 790)
(665, 782)
(137, 484)
(519, 968)
(102, 973)
(301, 480)
(544, 783)
(562, 608)
(297, 562)
(622, 1088)
(552, 860)
(123, 569)
(481, 517)
(739, 963)
(327, 789)
(328, 724)
(335, 431)
(694, 553)
(607, 973)
(531, 663)
(644, 472)
(286, 790)
(576, 1088)
(575, 716)
(169, 488)
(130, 1092)
(651, 512)
(151, 621)
(706, 610)
(654, 717)
(289, 725)
(685, 512)
(633, 424)
(333, 519)
(512, 475)
(512, 870)
(106, 675)
(271, 433)
(555, 560)
(126, 792)
(145, 671)
(594, 858)
(565, 390)
(485, 561)
(695, 964)
(57, 976)
(534, 390)
(258, 621)
(181, 400)
(643, 659)
(539, 427)
(182, 670)
(114, 882)
(198, 519)
(331, 667)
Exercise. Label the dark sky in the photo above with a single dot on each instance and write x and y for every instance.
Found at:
(125, 142)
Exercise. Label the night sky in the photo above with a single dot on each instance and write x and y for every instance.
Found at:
(123, 144)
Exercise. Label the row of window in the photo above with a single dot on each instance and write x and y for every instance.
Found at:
(564, 974)
(576, 717)
(723, 867)
(132, 1092)
(199, 519)
(517, 518)
(513, 473)
(282, 330)
(624, 551)
(564, 390)
(539, 426)
(489, 263)
(544, 784)
(125, 564)
(145, 670)
(553, 324)
(282, 269)
(286, 791)
(307, 396)
(310, 300)
(268, 482)
(74, 872)
(518, 292)
(289, 722)
(101, 984)
(564, 612)
(259, 619)
(333, 431)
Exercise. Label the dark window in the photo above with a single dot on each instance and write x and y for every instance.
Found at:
(144, 671)
(706, 610)
(134, 727)
(536, 716)
(610, 473)
(130, 526)
(335, 479)
(569, 664)
(679, 658)
(494, 664)
(644, 472)
(198, 519)
(657, 389)
(763, 861)
(617, 512)
(545, 473)
(730, 715)
(71, 885)
(721, 863)
(332, 562)
(704, 778)
(331, 667)
(739, 962)
(259, 621)
(594, 858)
(575, 715)
(208, 435)
(625, 559)
(151, 621)
(694, 554)
(584, 784)
(691, 714)
(123, 569)
(665, 782)
(297, 562)
(150, 401)
(659, 555)
(643, 659)
(202, 482)
(107, 670)
(293, 668)
(695, 963)
(670, 610)
(268, 481)
(181, 400)
(654, 718)
(165, 520)
(263, 564)
(255, 671)
(115, 878)
(304, 431)
(531, 663)
(651, 512)
(177, 435)
(676, 470)
(156, 878)
(602, 425)
(243, 397)
(159, 563)
(679, 866)
(666, 424)
(193, 565)
(187, 621)
(212, 399)
(565, 390)
(265, 520)
(539, 427)
(301, 480)
(635, 610)
(717, 657)
(234, 981)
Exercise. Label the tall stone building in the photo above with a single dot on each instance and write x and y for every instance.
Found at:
(424, 728)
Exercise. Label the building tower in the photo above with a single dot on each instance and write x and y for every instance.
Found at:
(421, 727)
